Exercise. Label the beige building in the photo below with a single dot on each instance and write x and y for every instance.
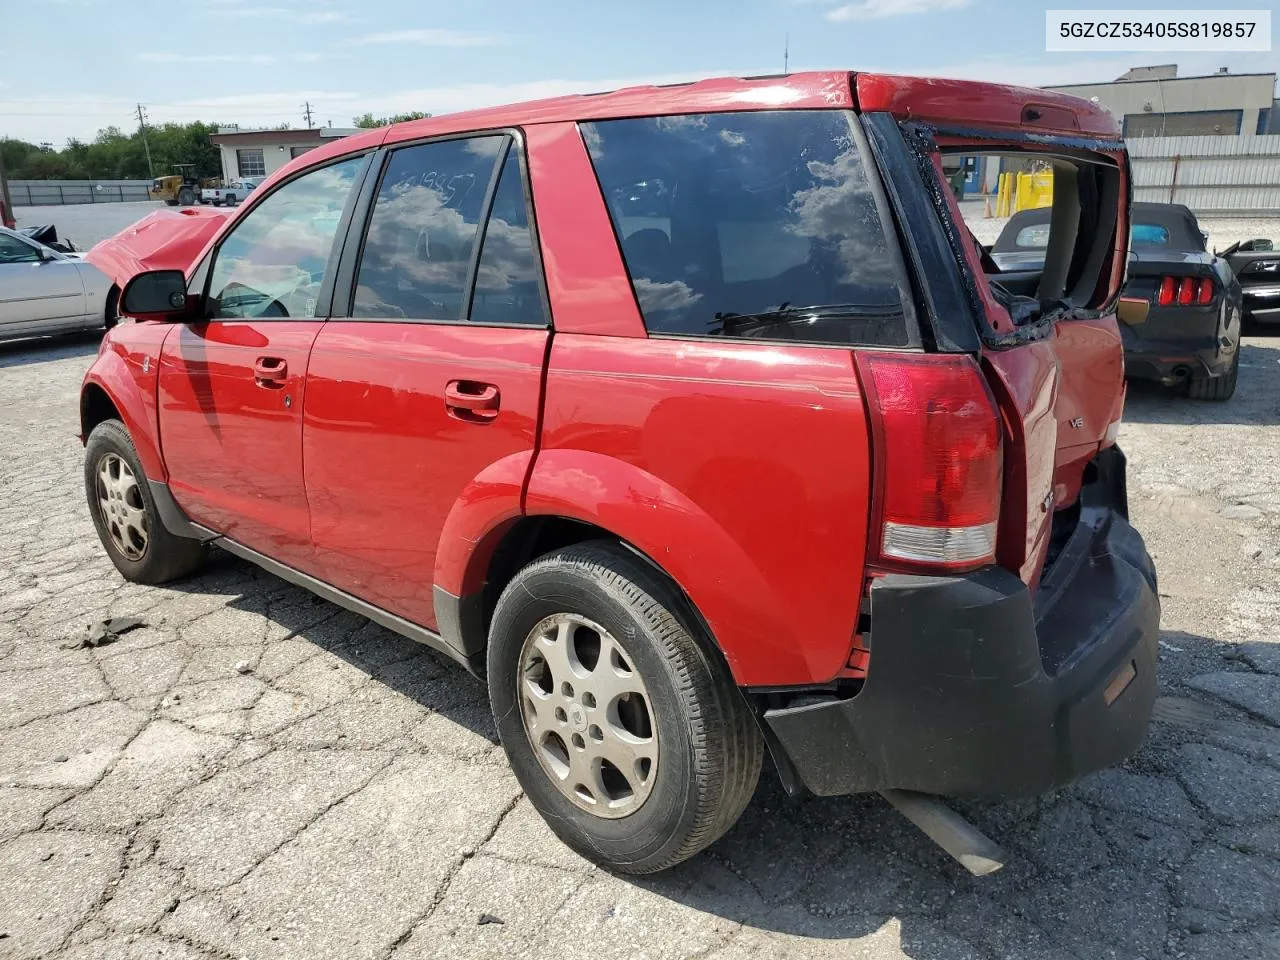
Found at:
(260, 153)
(1156, 102)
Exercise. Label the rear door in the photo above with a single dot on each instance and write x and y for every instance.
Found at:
(232, 384)
(33, 290)
(432, 375)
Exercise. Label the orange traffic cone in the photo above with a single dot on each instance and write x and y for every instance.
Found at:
(986, 211)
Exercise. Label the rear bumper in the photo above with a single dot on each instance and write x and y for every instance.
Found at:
(1175, 343)
(977, 688)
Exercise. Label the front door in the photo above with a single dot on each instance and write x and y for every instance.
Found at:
(436, 375)
(232, 385)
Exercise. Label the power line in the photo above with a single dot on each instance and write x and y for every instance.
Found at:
(142, 125)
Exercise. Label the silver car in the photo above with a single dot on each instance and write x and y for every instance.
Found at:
(43, 291)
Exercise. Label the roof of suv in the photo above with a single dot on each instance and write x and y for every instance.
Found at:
(956, 102)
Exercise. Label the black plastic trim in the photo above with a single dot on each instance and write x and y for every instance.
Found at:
(482, 228)
(384, 618)
(173, 516)
(356, 227)
(933, 263)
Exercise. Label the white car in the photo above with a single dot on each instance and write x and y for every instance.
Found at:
(43, 291)
(231, 194)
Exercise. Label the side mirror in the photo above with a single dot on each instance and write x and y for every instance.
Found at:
(155, 295)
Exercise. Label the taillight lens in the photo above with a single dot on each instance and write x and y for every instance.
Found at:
(1186, 291)
(938, 459)
(1168, 287)
(1206, 291)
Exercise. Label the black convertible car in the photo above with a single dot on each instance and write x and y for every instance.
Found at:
(1191, 331)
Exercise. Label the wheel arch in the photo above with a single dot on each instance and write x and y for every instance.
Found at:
(575, 496)
(110, 393)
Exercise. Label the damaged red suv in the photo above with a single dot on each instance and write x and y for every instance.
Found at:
(693, 419)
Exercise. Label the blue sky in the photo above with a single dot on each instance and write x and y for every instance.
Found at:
(70, 67)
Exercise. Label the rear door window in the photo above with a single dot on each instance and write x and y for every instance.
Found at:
(424, 229)
(763, 224)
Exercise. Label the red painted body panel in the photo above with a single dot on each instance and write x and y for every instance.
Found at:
(964, 102)
(741, 469)
(387, 460)
(233, 446)
(119, 371)
(586, 280)
(163, 240)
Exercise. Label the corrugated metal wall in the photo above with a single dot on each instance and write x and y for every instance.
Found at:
(34, 193)
(1214, 176)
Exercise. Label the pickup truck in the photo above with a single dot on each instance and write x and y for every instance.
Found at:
(231, 194)
(692, 420)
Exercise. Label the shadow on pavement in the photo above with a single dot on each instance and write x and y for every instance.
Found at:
(1256, 401)
(1089, 870)
(19, 353)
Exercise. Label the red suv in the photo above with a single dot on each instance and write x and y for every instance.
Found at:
(693, 419)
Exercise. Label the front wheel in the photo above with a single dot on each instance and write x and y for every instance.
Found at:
(125, 514)
(621, 722)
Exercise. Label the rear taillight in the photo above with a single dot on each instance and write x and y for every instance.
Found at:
(1184, 290)
(938, 460)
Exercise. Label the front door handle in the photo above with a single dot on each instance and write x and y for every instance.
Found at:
(471, 400)
(270, 372)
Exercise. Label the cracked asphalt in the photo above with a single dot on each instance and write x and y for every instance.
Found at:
(344, 797)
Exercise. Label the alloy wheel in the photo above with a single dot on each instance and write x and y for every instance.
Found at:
(123, 511)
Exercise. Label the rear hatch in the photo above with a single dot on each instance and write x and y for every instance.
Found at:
(1046, 338)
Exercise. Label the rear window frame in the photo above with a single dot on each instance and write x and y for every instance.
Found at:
(888, 224)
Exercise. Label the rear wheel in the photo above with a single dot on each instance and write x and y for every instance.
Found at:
(125, 514)
(1221, 387)
(621, 722)
(111, 313)
(186, 197)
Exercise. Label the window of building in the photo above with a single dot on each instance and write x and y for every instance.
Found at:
(273, 262)
(756, 224)
(298, 151)
(1264, 121)
(423, 230)
(507, 275)
(1196, 123)
(250, 162)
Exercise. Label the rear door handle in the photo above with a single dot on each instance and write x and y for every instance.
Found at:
(270, 372)
(471, 400)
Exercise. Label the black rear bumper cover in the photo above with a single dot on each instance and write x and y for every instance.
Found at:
(977, 688)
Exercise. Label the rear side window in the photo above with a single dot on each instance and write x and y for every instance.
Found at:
(507, 275)
(424, 229)
(751, 225)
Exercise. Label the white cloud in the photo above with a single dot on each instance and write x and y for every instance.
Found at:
(432, 38)
(883, 9)
(255, 58)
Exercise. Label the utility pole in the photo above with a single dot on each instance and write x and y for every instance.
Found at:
(306, 113)
(142, 125)
(786, 53)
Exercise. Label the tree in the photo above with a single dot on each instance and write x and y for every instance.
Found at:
(368, 120)
(116, 155)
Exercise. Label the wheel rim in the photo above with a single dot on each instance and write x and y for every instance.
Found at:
(123, 512)
(587, 715)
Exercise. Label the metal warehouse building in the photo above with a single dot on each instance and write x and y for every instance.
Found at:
(1156, 102)
(259, 153)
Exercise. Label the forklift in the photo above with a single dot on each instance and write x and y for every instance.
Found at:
(178, 189)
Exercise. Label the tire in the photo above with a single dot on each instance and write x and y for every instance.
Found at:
(111, 314)
(705, 743)
(185, 197)
(163, 556)
(171, 203)
(1219, 388)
